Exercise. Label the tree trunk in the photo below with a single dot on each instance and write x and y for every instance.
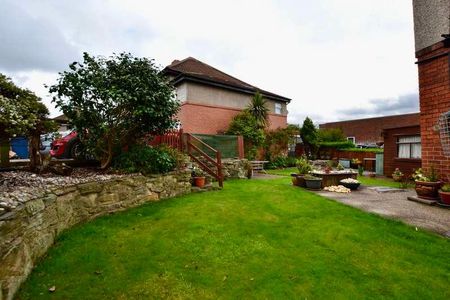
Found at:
(106, 161)
(35, 160)
(4, 153)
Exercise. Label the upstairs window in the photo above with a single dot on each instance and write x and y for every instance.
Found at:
(409, 147)
(278, 108)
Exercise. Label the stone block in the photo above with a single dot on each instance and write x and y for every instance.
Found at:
(90, 187)
(34, 206)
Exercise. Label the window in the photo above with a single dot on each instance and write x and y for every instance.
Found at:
(278, 108)
(409, 147)
(351, 139)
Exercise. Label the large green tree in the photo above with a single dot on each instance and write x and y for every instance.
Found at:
(309, 136)
(113, 101)
(21, 113)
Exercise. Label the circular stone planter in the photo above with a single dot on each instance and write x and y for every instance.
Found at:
(352, 186)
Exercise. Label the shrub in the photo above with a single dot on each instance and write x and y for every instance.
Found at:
(277, 162)
(331, 135)
(337, 145)
(146, 160)
(246, 125)
(303, 165)
(112, 102)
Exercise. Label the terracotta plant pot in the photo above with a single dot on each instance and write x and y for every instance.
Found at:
(199, 181)
(428, 190)
(445, 197)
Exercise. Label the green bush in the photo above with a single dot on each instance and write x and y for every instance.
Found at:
(373, 150)
(146, 160)
(277, 163)
(337, 145)
(281, 162)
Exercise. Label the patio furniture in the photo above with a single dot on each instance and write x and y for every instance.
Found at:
(258, 165)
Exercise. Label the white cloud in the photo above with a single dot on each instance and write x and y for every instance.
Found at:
(328, 55)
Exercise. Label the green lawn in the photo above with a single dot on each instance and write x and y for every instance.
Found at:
(365, 180)
(254, 239)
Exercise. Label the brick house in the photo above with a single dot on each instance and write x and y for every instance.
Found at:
(432, 42)
(369, 131)
(402, 149)
(210, 98)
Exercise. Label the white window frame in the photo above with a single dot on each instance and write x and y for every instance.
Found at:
(278, 108)
(408, 147)
(351, 139)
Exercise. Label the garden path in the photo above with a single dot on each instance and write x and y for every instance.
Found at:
(395, 205)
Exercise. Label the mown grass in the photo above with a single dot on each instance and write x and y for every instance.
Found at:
(254, 239)
(365, 180)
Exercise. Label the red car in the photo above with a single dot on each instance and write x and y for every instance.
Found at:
(68, 146)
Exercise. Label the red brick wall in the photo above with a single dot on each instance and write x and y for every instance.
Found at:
(434, 89)
(369, 130)
(206, 119)
(391, 151)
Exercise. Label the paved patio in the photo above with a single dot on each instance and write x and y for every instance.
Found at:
(395, 205)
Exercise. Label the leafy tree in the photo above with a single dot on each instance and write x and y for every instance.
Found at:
(245, 124)
(309, 136)
(258, 109)
(277, 141)
(331, 135)
(112, 102)
(21, 113)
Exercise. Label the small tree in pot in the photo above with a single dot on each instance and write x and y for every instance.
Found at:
(427, 186)
(304, 167)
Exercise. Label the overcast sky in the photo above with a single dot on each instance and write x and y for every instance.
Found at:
(337, 59)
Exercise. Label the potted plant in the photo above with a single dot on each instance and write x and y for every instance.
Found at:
(372, 174)
(199, 178)
(444, 194)
(312, 182)
(350, 183)
(397, 175)
(360, 170)
(304, 167)
(355, 163)
(427, 187)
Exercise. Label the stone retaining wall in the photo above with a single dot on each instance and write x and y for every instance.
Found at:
(28, 231)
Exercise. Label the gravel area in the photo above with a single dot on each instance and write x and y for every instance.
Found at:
(18, 187)
(395, 205)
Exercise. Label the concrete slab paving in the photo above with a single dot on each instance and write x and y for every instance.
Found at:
(395, 205)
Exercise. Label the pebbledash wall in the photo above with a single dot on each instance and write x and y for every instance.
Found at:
(28, 231)
(431, 22)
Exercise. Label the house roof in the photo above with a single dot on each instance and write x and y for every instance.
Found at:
(191, 69)
(61, 118)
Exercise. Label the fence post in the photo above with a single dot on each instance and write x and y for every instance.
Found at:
(219, 168)
(240, 145)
